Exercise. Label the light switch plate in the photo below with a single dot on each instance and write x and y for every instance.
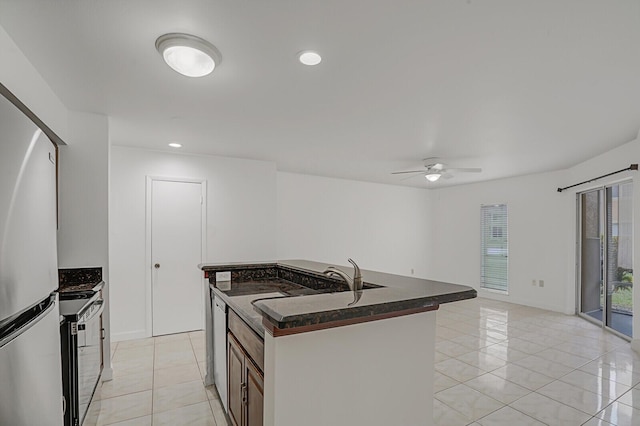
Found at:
(223, 276)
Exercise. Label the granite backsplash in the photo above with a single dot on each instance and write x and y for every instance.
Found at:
(310, 280)
(78, 279)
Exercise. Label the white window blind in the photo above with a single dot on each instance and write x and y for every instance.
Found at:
(495, 247)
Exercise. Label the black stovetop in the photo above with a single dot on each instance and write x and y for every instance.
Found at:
(73, 308)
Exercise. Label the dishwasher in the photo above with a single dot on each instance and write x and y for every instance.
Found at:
(220, 349)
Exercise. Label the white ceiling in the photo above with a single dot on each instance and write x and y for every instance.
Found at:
(514, 87)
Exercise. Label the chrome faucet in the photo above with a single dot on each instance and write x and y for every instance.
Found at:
(355, 283)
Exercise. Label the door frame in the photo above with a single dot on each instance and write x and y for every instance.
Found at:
(579, 257)
(148, 255)
(578, 264)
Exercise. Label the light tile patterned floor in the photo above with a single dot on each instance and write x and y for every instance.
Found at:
(157, 381)
(496, 364)
(503, 364)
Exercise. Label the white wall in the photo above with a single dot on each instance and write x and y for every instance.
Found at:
(24, 81)
(241, 217)
(83, 169)
(382, 227)
(542, 230)
(83, 197)
(537, 220)
(387, 228)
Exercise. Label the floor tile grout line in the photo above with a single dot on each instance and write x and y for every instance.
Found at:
(606, 346)
(572, 367)
(483, 394)
(202, 378)
(577, 409)
(509, 405)
(184, 406)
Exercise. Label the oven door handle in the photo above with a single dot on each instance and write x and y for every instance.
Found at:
(95, 314)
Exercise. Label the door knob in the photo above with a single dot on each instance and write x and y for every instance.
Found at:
(157, 266)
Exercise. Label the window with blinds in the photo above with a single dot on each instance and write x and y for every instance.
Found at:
(495, 247)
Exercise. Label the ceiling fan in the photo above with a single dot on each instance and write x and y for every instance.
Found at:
(434, 170)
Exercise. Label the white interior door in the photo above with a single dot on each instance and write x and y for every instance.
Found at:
(176, 250)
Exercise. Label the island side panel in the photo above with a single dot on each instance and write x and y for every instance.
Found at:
(374, 373)
(208, 335)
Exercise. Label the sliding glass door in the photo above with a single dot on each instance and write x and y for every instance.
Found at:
(605, 267)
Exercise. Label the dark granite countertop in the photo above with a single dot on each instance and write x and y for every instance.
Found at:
(269, 285)
(74, 288)
(241, 303)
(240, 295)
(320, 301)
(72, 280)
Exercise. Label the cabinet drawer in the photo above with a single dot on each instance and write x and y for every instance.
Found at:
(250, 341)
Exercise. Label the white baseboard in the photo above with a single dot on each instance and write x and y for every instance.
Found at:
(129, 335)
(525, 302)
(107, 374)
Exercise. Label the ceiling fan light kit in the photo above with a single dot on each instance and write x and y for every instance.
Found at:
(188, 55)
(434, 170)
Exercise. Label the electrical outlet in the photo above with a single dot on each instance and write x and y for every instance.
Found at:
(541, 283)
(223, 276)
(533, 283)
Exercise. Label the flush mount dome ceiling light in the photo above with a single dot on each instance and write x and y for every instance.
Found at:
(309, 57)
(432, 177)
(189, 55)
(175, 145)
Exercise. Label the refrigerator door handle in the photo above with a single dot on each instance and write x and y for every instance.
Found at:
(13, 334)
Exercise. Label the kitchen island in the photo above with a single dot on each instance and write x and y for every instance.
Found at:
(322, 360)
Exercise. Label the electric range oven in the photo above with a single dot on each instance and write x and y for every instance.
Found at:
(81, 335)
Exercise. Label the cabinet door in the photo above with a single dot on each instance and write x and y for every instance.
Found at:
(255, 395)
(236, 380)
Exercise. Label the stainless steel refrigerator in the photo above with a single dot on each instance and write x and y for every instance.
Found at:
(30, 371)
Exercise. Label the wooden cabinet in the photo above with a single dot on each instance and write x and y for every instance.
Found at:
(236, 379)
(246, 381)
(255, 395)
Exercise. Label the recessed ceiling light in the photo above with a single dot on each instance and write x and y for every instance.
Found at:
(309, 57)
(175, 145)
(189, 55)
(432, 177)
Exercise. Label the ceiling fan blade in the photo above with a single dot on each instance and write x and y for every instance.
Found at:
(410, 177)
(408, 171)
(466, 170)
